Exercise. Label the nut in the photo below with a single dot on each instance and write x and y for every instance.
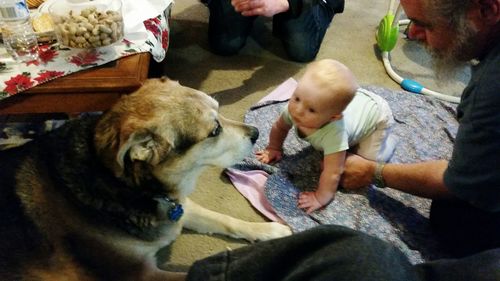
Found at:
(90, 28)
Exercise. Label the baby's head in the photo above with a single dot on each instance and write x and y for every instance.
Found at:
(335, 83)
(324, 91)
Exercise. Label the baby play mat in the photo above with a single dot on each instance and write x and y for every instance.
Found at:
(425, 127)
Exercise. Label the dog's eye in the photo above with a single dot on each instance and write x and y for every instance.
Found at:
(216, 131)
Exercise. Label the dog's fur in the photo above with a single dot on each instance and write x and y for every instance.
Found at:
(90, 200)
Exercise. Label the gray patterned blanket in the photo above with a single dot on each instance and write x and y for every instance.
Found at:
(426, 128)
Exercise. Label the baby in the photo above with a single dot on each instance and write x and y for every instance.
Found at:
(331, 112)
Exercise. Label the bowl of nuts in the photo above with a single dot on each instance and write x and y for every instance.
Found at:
(85, 24)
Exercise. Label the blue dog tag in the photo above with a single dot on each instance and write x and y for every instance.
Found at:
(176, 212)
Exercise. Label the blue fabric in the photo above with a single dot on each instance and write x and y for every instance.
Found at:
(426, 128)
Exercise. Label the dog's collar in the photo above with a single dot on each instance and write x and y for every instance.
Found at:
(170, 208)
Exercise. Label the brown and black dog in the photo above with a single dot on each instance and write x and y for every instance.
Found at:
(97, 198)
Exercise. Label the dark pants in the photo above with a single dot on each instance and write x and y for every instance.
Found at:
(301, 35)
(464, 229)
(336, 253)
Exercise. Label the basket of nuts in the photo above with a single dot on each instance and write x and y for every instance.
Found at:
(87, 24)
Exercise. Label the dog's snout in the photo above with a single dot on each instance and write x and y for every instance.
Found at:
(254, 134)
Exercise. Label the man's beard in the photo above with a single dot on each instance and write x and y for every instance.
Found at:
(447, 63)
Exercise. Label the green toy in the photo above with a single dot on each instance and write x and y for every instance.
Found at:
(387, 34)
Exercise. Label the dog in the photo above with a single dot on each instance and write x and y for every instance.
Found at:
(98, 197)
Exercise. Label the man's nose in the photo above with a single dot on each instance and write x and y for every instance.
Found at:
(416, 32)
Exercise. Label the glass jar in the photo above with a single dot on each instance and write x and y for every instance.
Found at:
(87, 24)
(18, 36)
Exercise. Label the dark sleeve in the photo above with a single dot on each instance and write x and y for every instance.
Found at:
(484, 266)
(323, 253)
(336, 5)
(296, 6)
(473, 173)
(331, 252)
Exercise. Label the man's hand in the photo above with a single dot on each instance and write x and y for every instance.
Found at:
(358, 172)
(266, 8)
(268, 155)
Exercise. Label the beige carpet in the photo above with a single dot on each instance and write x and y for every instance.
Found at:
(238, 82)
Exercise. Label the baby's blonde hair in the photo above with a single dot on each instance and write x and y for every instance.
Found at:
(334, 78)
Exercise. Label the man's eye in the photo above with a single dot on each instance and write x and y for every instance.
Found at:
(216, 131)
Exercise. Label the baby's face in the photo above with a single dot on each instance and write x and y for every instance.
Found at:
(309, 107)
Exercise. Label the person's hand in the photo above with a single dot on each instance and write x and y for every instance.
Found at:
(266, 8)
(268, 155)
(309, 202)
(358, 172)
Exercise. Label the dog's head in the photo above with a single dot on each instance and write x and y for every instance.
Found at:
(169, 132)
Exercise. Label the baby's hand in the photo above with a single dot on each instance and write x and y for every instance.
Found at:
(268, 155)
(309, 201)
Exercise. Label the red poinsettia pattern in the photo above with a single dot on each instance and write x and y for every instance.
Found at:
(164, 39)
(18, 83)
(158, 27)
(86, 58)
(46, 54)
(152, 25)
(48, 75)
(126, 42)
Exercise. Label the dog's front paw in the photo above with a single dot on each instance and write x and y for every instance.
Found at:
(267, 231)
(278, 230)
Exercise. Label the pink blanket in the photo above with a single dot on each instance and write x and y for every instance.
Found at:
(251, 183)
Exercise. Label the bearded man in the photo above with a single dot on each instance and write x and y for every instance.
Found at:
(465, 211)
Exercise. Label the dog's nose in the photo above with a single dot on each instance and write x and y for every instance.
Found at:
(254, 134)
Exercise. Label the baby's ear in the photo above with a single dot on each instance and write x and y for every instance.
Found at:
(337, 117)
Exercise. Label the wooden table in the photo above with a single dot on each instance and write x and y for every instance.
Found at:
(90, 90)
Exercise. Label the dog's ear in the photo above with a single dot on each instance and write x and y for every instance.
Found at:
(142, 150)
(141, 146)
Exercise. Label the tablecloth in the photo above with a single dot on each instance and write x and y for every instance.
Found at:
(57, 62)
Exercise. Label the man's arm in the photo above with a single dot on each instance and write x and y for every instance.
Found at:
(423, 179)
